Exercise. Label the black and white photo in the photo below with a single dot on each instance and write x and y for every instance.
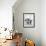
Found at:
(29, 20)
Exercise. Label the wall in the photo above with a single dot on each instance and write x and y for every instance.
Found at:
(28, 6)
(6, 13)
(43, 22)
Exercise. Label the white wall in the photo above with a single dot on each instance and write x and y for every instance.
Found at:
(43, 22)
(29, 6)
(6, 13)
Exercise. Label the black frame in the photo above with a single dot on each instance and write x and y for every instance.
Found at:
(33, 20)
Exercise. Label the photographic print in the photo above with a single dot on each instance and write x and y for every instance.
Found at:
(29, 20)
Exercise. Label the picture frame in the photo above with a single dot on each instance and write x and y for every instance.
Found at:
(13, 22)
(28, 20)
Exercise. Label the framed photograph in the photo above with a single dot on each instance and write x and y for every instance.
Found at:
(13, 22)
(28, 20)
